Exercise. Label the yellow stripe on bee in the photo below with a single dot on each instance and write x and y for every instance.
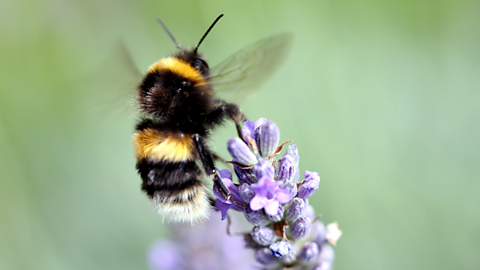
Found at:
(179, 67)
(156, 146)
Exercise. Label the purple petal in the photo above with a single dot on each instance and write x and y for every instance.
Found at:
(272, 185)
(283, 196)
(258, 202)
(261, 186)
(271, 207)
(236, 194)
(236, 207)
(222, 207)
(225, 174)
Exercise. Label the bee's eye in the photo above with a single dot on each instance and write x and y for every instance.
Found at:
(199, 64)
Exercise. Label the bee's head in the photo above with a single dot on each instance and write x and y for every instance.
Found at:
(176, 84)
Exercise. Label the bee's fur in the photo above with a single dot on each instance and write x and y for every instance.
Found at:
(179, 110)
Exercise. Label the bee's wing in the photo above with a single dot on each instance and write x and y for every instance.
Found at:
(110, 87)
(241, 74)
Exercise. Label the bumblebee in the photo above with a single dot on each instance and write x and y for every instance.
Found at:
(179, 109)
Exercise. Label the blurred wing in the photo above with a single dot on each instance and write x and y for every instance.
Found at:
(238, 76)
(111, 86)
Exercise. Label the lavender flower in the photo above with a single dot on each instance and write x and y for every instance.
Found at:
(275, 202)
(223, 205)
(269, 196)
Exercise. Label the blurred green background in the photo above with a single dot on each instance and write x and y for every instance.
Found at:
(382, 98)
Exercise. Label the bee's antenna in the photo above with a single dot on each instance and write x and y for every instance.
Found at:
(170, 34)
(206, 33)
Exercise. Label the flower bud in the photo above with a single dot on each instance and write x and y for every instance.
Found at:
(263, 235)
(264, 168)
(245, 175)
(280, 249)
(292, 151)
(278, 216)
(300, 228)
(319, 233)
(295, 209)
(326, 254)
(290, 187)
(286, 168)
(312, 180)
(265, 257)
(246, 192)
(257, 218)
(291, 257)
(309, 253)
(240, 152)
(309, 211)
(269, 137)
(257, 130)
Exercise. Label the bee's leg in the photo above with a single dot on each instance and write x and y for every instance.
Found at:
(234, 113)
(209, 166)
(230, 110)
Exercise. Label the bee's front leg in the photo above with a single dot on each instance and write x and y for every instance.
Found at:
(230, 110)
